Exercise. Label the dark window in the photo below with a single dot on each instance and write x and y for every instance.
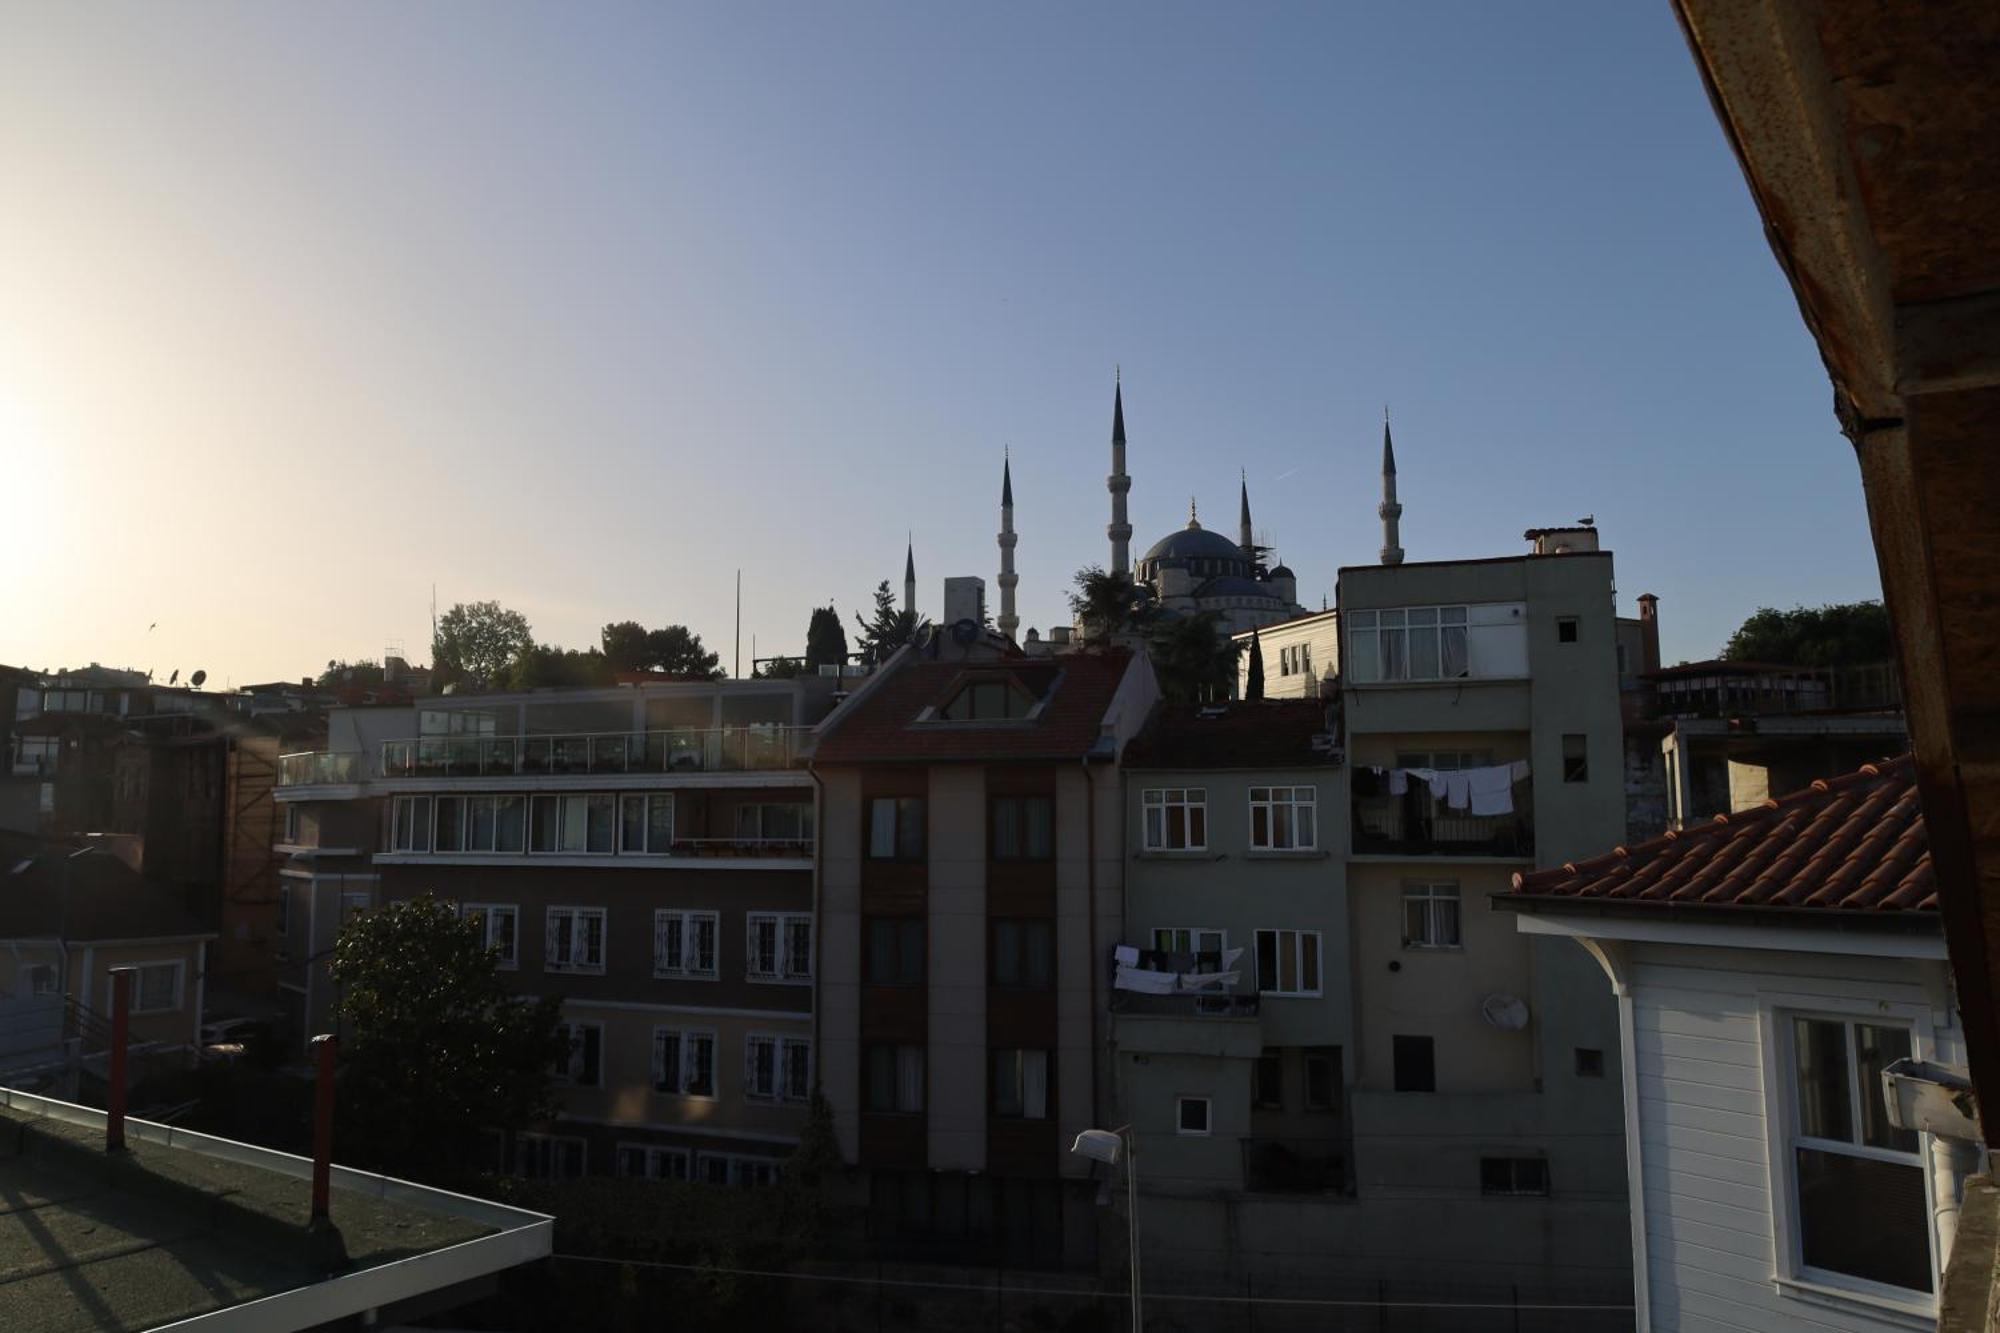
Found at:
(1020, 1084)
(986, 701)
(896, 828)
(1565, 629)
(1513, 1175)
(1416, 1064)
(1024, 828)
(896, 950)
(1192, 1115)
(1023, 954)
(895, 1077)
(1270, 1088)
(1576, 758)
(1589, 1062)
(1323, 1078)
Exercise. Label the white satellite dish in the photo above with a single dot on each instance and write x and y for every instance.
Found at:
(1509, 1013)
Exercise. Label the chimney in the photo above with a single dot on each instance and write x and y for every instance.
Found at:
(1649, 628)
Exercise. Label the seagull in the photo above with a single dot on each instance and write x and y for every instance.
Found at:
(1588, 520)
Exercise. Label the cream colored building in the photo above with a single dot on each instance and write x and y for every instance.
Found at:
(1301, 656)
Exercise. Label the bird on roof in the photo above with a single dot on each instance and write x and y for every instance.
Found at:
(1588, 520)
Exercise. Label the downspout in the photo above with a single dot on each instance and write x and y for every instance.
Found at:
(1090, 885)
(819, 844)
(1610, 955)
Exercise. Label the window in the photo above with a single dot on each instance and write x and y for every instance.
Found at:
(1191, 1116)
(1576, 758)
(498, 926)
(646, 823)
(1023, 828)
(774, 821)
(683, 1063)
(156, 988)
(684, 944)
(1408, 643)
(987, 701)
(1565, 629)
(292, 823)
(42, 979)
(1322, 1078)
(1176, 819)
(548, 1157)
(896, 828)
(1191, 939)
(1589, 1062)
(1857, 1181)
(412, 825)
(1514, 1175)
(638, 1161)
(583, 1067)
(1281, 819)
(575, 940)
(896, 950)
(284, 922)
(1430, 915)
(1023, 954)
(1296, 660)
(578, 824)
(1288, 962)
(1021, 1084)
(1416, 1064)
(778, 946)
(777, 1069)
(895, 1078)
(480, 823)
(1268, 1087)
(1622, 668)
(716, 1168)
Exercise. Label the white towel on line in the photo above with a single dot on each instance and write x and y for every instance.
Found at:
(1457, 790)
(1492, 790)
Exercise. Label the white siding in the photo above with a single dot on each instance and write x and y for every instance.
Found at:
(1709, 1106)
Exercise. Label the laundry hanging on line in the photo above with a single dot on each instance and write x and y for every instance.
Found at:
(1483, 791)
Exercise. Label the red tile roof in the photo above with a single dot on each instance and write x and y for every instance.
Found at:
(882, 725)
(1275, 733)
(1854, 843)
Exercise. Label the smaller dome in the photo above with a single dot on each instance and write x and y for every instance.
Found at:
(1282, 572)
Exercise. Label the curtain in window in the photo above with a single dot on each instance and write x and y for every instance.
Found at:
(882, 828)
(666, 1060)
(1035, 1085)
(909, 1078)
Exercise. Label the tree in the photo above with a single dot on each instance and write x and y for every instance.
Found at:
(1253, 687)
(436, 1047)
(780, 668)
(1106, 604)
(887, 630)
(678, 651)
(826, 641)
(343, 675)
(542, 665)
(624, 646)
(476, 642)
(1836, 635)
(1194, 660)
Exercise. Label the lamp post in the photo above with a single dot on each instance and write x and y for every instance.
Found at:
(1104, 1145)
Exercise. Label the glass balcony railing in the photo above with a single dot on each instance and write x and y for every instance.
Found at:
(708, 750)
(314, 767)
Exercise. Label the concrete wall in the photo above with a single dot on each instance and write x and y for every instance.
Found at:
(1322, 641)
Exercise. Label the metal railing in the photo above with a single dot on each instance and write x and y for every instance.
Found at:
(703, 750)
(1395, 826)
(1296, 1166)
(313, 767)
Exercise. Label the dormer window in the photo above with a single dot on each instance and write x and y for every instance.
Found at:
(988, 701)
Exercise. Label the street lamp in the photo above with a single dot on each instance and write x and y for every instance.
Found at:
(1103, 1145)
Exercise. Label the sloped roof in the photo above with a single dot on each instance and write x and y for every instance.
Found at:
(883, 725)
(1854, 844)
(107, 899)
(1274, 733)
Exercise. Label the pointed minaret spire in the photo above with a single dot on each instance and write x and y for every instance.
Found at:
(1244, 538)
(1007, 622)
(1390, 511)
(1119, 529)
(910, 576)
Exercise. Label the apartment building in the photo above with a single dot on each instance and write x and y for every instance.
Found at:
(644, 851)
(1301, 656)
(971, 879)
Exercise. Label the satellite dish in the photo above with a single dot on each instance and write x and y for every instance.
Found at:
(197, 678)
(1509, 1013)
(175, 677)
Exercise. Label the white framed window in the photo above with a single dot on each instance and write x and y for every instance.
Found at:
(1407, 643)
(1175, 819)
(583, 1067)
(498, 925)
(550, 1156)
(787, 822)
(683, 1062)
(1191, 1116)
(1431, 914)
(42, 979)
(1020, 1084)
(353, 903)
(1284, 819)
(721, 1168)
(1520, 1176)
(292, 822)
(1288, 962)
(574, 939)
(581, 823)
(410, 829)
(896, 828)
(684, 944)
(1856, 1188)
(156, 988)
(480, 823)
(645, 1161)
(646, 823)
(777, 946)
(777, 1068)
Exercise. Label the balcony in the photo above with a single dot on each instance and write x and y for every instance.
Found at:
(1421, 825)
(714, 750)
(1296, 1166)
(317, 768)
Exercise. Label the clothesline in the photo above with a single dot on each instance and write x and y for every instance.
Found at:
(1488, 790)
(1129, 975)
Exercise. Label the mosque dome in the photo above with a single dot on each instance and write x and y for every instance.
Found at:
(1195, 543)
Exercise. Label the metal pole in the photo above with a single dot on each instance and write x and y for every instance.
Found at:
(324, 1048)
(1132, 1216)
(121, 1028)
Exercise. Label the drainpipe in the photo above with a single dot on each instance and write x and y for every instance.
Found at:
(1090, 882)
(819, 866)
(1952, 1160)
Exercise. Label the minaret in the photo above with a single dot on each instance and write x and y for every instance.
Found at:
(1244, 539)
(1007, 622)
(910, 578)
(1119, 530)
(1391, 512)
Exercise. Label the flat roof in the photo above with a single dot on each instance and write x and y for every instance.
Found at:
(186, 1230)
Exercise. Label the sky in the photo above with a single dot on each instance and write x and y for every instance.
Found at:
(306, 310)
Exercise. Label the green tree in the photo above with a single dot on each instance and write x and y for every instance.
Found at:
(435, 1045)
(678, 651)
(343, 675)
(476, 642)
(1106, 604)
(1194, 660)
(780, 668)
(542, 665)
(886, 630)
(1836, 635)
(1253, 687)
(826, 641)
(624, 646)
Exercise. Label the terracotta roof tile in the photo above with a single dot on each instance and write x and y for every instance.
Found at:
(1854, 843)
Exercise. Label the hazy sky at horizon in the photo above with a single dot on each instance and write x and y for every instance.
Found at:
(304, 309)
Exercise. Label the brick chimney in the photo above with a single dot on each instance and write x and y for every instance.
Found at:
(1649, 626)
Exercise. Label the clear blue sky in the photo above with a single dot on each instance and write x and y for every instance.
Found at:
(579, 309)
